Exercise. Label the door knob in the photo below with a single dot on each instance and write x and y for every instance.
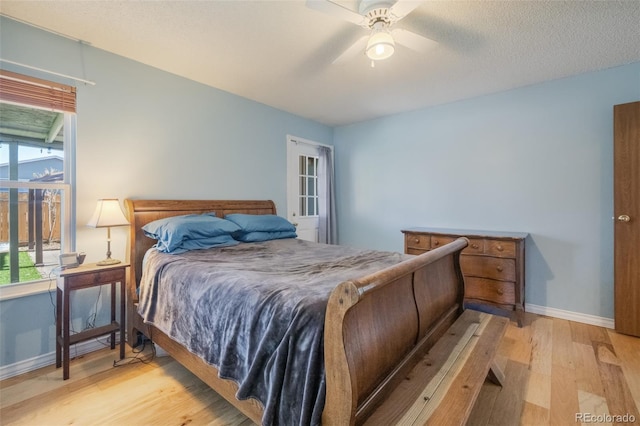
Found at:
(624, 218)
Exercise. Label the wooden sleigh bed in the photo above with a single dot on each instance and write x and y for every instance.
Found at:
(419, 299)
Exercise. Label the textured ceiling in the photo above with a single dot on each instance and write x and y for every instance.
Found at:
(280, 53)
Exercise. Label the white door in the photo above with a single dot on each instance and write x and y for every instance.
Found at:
(302, 187)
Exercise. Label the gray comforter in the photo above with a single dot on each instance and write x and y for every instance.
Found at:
(256, 312)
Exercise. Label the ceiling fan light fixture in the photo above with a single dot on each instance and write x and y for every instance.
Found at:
(380, 45)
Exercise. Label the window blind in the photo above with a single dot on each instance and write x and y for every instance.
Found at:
(21, 89)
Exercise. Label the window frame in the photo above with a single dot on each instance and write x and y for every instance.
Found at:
(304, 197)
(68, 206)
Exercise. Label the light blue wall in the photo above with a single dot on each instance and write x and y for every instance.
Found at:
(536, 160)
(145, 133)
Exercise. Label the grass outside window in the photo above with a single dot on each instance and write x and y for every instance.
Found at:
(28, 271)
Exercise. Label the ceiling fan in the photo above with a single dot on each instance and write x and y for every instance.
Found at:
(378, 16)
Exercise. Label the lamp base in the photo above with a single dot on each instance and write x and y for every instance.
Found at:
(108, 262)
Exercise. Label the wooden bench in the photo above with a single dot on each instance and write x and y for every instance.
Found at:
(442, 388)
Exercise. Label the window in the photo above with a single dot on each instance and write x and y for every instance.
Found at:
(308, 196)
(37, 140)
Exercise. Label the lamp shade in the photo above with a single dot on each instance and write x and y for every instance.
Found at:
(107, 213)
(380, 45)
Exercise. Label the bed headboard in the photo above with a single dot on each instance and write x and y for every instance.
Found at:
(141, 212)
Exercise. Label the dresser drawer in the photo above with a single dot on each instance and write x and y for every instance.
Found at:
(500, 248)
(488, 267)
(439, 241)
(476, 246)
(501, 292)
(418, 241)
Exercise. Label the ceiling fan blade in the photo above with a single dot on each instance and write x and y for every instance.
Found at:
(353, 50)
(412, 40)
(404, 7)
(334, 9)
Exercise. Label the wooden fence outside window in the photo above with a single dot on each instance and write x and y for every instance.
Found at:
(50, 218)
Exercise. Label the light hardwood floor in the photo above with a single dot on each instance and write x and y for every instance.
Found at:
(554, 369)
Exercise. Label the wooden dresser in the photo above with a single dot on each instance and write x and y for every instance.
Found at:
(492, 264)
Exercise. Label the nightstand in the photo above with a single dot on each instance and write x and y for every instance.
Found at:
(86, 276)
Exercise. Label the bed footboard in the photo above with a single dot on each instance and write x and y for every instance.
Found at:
(377, 328)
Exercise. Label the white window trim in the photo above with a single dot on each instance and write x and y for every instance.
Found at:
(17, 290)
(296, 140)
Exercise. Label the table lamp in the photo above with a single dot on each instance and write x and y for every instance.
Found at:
(107, 214)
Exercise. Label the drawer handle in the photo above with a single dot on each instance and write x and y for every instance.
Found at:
(499, 268)
(499, 248)
(500, 291)
(474, 245)
(436, 242)
(417, 240)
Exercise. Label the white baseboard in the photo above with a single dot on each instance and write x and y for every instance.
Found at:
(45, 360)
(571, 316)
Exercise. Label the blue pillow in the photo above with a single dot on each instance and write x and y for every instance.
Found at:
(261, 222)
(203, 243)
(252, 237)
(171, 232)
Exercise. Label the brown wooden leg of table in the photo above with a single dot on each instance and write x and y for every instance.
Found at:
(122, 317)
(66, 337)
(113, 313)
(58, 328)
